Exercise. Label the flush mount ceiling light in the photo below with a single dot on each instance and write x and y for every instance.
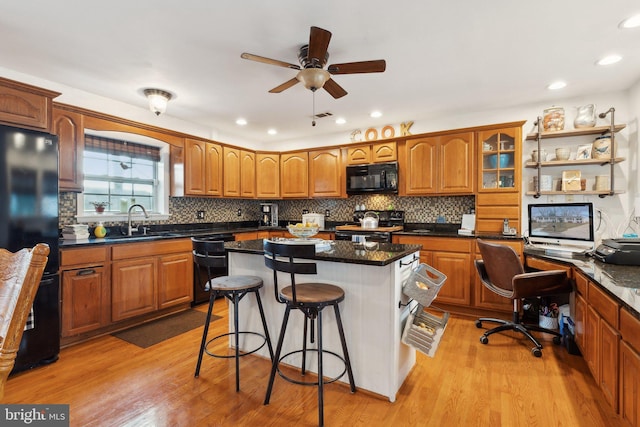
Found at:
(376, 114)
(241, 122)
(557, 85)
(158, 100)
(272, 132)
(340, 121)
(608, 60)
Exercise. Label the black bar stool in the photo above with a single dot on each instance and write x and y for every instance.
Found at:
(311, 299)
(211, 255)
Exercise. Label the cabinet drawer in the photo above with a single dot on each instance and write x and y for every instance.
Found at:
(97, 255)
(581, 284)
(448, 244)
(540, 264)
(137, 250)
(630, 329)
(606, 307)
(498, 199)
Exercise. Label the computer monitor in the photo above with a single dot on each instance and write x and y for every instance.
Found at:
(562, 225)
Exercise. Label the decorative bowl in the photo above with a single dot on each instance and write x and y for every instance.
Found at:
(504, 160)
(303, 232)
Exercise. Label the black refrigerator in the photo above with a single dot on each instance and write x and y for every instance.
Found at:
(29, 215)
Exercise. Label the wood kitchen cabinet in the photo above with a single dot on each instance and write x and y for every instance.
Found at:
(629, 407)
(203, 168)
(326, 177)
(267, 175)
(150, 276)
(239, 173)
(247, 174)
(442, 164)
(69, 127)
(26, 106)
(450, 256)
(372, 153)
(85, 290)
(294, 174)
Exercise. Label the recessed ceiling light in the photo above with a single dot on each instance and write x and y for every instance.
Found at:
(340, 121)
(376, 114)
(557, 85)
(241, 121)
(632, 22)
(272, 132)
(608, 60)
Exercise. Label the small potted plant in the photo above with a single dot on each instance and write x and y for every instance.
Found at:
(99, 206)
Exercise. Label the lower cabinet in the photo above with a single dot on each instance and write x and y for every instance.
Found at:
(485, 298)
(108, 284)
(629, 384)
(85, 290)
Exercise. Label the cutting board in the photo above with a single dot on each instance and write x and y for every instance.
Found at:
(358, 228)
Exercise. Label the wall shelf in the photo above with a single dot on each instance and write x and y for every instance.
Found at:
(574, 132)
(581, 162)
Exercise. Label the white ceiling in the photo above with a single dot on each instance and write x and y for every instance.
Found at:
(443, 57)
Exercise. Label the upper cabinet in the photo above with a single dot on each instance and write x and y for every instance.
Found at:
(442, 164)
(203, 168)
(26, 106)
(326, 177)
(69, 127)
(372, 153)
(247, 174)
(499, 161)
(267, 175)
(294, 174)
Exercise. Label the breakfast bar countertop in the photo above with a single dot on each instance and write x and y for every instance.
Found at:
(340, 251)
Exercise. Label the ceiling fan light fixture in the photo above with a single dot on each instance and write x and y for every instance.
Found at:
(158, 100)
(313, 78)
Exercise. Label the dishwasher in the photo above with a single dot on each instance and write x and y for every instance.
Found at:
(200, 276)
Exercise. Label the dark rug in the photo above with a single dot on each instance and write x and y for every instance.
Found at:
(159, 330)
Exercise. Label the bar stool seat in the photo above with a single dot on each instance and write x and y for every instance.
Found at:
(211, 255)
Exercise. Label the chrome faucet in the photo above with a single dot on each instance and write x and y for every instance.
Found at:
(146, 215)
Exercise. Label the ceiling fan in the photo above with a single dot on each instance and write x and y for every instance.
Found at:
(313, 57)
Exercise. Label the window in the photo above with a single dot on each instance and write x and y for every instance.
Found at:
(121, 172)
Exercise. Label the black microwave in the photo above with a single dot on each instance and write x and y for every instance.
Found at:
(373, 178)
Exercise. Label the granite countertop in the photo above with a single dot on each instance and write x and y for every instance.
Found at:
(378, 254)
(621, 281)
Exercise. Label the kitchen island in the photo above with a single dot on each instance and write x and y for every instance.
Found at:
(373, 311)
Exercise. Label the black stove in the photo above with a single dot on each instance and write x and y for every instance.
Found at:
(385, 218)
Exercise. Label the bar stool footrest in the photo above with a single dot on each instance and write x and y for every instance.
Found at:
(315, 383)
(231, 356)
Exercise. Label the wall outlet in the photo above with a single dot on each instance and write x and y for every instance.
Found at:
(327, 213)
(239, 212)
(200, 215)
(305, 211)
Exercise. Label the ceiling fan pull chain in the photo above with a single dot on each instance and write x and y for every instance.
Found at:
(313, 109)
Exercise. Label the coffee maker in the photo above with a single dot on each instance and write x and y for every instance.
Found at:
(268, 215)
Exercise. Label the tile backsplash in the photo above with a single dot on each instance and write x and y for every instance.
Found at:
(183, 209)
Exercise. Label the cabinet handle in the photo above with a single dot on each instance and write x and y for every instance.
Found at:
(86, 272)
(415, 258)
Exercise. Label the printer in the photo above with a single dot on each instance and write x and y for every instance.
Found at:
(619, 251)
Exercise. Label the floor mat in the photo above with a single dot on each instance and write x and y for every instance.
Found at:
(159, 330)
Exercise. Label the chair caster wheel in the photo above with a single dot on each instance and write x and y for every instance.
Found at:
(484, 340)
(557, 340)
(536, 352)
(478, 324)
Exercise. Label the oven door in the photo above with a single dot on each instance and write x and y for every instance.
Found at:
(369, 236)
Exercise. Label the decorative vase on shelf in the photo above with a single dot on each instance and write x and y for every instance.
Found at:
(585, 116)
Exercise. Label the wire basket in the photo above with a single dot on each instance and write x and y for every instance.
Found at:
(423, 284)
(424, 330)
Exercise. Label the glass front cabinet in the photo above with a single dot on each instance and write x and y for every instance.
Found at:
(499, 160)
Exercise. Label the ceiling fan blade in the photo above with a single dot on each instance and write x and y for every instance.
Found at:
(270, 61)
(377, 66)
(318, 45)
(334, 89)
(284, 86)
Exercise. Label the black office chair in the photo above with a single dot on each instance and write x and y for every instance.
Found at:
(211, 255)
(311, 299)
(501, 271)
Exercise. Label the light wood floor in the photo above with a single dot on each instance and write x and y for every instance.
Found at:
(108, 382)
